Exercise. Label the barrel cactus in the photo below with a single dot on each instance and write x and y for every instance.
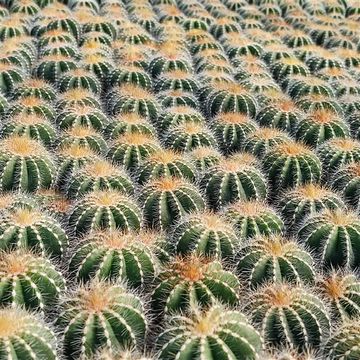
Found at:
(79, 79)
(204, 157)
(77, 97)
(35, 87)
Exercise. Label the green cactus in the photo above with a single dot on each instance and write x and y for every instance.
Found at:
(323, 60)
(193, 280)
(314, 103)
(173, 60)
(98, 23)
(333, 235)
(175, 98)
(55, 36)
(234, 178)
(129, 74)
(98, 64)
(26, 227)
(124, 354)
(12, 27)
(29, 280)
(24, 336)
(205, 233)
(204, 157)
(291, 164)
(287, 67)
(167, 200)
(35, 88)
(286, 353)
(101, 315)
(274, 258)
(78, 97)
(79, 79)
(104, 209)
(177, 80)
(210, 333)
(10, 75)
(300, 86)
(289, 315)
(97, 175)
(66, 23)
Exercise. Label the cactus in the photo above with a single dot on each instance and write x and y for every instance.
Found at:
(131, 149)
(193, 280)
(19, 329)
(300, 86)
(29, 280)
(101, 315)
(53, 202)
(104, 209)
(124, 354)
(253, 218)
(205, 233)
(286, 353)
(34, 88)
(79, 79)
(275, 259)
(321, 125)
(33, 126)
(98, 64)
(174, 60)
(214, 332)
(165, 163)
(344, 343)
(55, 36)
(12, 27)
(30, 228)
(299, 318)
(98, 23)
(10, 75)
(234, 178)
(25, 165)
(98, 175)
(177, 80)
(65, 22)
(129, 74)
(77, 97)
(333, 235)
(312, 103)
(170, 99)
(291, 164)
(167, 200)
(288, 67)
(204, 157)
(231, 129)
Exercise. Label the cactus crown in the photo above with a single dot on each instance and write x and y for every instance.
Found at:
(130, 118)
(76, 151)
(344, 144)
(12, 322)
(232, 88)
(339, 217)
(237, 162)
(22, 146)
(105, 197)
(323, 116)
(267, 133)
(353, 169)
(203, 151)
(232, 118)
(164, 156)
(292, 149)
(100, 168)
(334, 286)
(277, 245)
(135, 139)
(167, 183)
(24, 216)
(80, 131)
(285, 105)
(29, 119)
(16, 262)
(312, 191)
(76, 94)
(249, 208)
(135, 91)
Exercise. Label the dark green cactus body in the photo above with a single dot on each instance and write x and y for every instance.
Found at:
(79, 79)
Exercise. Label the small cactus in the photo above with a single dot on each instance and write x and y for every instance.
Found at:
(204, 157)
(129, 74)
(10, 75)
(333, 235)
(35, 87)
(275, 259)
(101, 315)
(79, 79)
(29, 280)
(193, 280)
(177, 80)
(214, 332)
(78, 97)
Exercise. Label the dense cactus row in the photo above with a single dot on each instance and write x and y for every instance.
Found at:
(179, 179)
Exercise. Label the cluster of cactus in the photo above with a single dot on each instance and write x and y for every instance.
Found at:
(163, 163)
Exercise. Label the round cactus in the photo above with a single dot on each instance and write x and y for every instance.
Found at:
(214, 332)
(288, 67)
(34, 88)
(275, 259)
(193, 280)
(29, 280)
(78, 97)
(205, 233)
(299, 319)
(333, 235)
(319, 102)
(10, 75)
(287, 353)
(177, 80)
(321, 125)
(300, 86)
(129, 74)
(19, 329)
(101, 315)
(25, 165)
(113, 255)
(175, 98)
(291, 164)
(167, 200)
(204, 157)
(79, 79)
(104, 209)
(234, 178)
(98, 64)
(165, 163)
(54, 202)
(130, 149)
(26, 227)
(98, 175)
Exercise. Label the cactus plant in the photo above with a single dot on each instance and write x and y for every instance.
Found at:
(29, 106)
(234, 178)
(79, 79)
(313, 103)
(101, 315)
(104, 209)
(167, 200)
(204, 157)
(34, 87)
(10, 75)
(214, 332)
(299, 318)
(193, 280)
(300, 86)
(74, 97)
(53, 202)
(29, 280)
(129, 74)
(170, 99)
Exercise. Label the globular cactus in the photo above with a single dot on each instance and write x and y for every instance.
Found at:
(101, 315)
(98, 64)
(295, 205)
(214, 332)
(25, 165)
(29, 281)
(313, 103)
(205, 233)
(169, 59)
(104, 209)
(65, 22)
(27, 227)
(34, 87)
(321, 125)
(193, 280)
(287, 353)
(97, 175)
(342, 291)
(19, 329)
(53, 202)
(167, 200)
(300, 86)
(344, 342)
(275, 259)
(79, 79)
(113, 255)
(253, 218)
(291, 164)
(10, 75)
(234, 178)
(288, 67)
(204, 157)
(129, 74)
(130, 149)
(165, 163)
(78, 97)
(177, 80)
(289, 315)
(175, 98)
(231, 130)
(123, 354)
(33, 126)
(333, 235)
